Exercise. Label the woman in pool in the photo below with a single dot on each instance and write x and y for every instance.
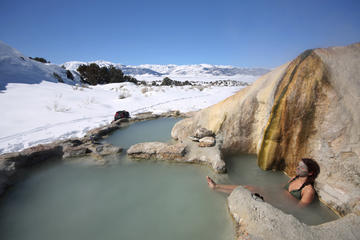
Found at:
(300, 187)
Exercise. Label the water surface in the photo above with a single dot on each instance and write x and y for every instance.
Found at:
(126, 200)
(158, 130)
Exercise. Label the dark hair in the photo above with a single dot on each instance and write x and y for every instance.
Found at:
(314, 168)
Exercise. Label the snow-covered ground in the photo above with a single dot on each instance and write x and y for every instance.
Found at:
(33, 114)
(36, 108)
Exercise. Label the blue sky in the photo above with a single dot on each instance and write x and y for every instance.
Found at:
(240, 32)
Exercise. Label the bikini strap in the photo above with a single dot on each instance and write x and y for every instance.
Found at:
(304, 185)
(293, 179)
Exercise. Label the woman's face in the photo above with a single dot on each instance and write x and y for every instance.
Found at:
(302, 170)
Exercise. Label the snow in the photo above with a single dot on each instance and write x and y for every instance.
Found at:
(37, 109)
(16, 68)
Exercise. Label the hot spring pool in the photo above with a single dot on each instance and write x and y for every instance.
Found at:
(135, 199)
(126, 200)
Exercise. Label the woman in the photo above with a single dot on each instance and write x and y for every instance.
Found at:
(300, 187)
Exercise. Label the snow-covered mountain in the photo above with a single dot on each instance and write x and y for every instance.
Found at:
(17, 68)
(200, 72)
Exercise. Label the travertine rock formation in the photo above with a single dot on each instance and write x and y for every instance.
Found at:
(305, 108)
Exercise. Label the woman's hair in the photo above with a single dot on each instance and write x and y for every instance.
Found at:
(313, 168)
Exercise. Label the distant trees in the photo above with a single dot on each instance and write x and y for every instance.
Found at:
(40, 59)
(93, 74)
(57, 76)
(169, 82)
(69, 75)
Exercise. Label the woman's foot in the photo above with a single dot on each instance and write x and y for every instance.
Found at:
(210, 182)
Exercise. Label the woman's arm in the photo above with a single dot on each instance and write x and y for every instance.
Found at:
(307, 196)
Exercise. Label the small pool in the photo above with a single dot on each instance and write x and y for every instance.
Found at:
(158, 130)
(243, 169)
(125, 200)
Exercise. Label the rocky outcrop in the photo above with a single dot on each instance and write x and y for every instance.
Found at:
(187, 151)
(305, 108)
(260, 220)
(157, 150)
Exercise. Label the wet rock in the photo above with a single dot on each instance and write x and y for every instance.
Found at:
(73, 142)
(78, 151)
(203, 132)
(157, 150)
(95, 135)
(107, 149)
(207, 142)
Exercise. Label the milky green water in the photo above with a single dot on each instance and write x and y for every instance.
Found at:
(126, 200)
(147, 131)
(136, 199)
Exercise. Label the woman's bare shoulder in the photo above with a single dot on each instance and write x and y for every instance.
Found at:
(308, 189)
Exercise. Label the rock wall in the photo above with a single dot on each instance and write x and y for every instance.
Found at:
(305, 108)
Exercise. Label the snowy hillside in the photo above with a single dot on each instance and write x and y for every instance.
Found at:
(36, 108)
(196, 73)
(17, 68)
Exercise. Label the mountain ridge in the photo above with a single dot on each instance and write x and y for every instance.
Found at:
(179, 72)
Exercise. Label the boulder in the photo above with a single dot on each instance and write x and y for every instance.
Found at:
(157, 150)
(209, 156)
(203, 132)
(207, 142)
